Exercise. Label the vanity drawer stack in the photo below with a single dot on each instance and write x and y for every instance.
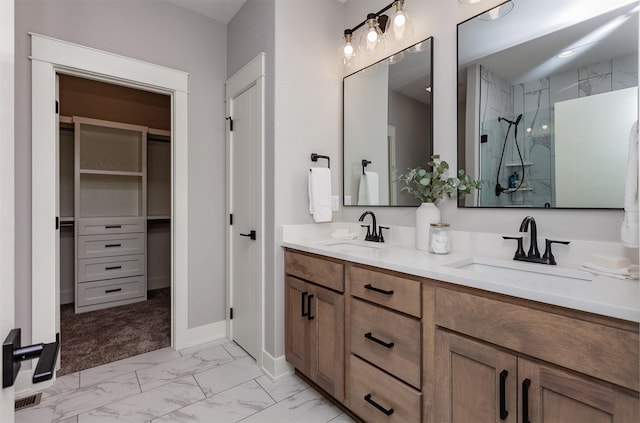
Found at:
(384, 329)
(111, 263)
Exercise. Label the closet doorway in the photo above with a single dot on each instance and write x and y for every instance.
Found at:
(115, 222)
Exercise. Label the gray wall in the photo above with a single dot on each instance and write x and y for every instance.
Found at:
(155, 32)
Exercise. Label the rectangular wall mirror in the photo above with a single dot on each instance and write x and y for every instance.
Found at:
(547, 97)
(387, 126)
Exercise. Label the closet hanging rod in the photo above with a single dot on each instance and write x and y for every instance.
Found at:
(316, 156)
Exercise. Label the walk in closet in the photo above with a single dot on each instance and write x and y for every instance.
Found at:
(115, 194)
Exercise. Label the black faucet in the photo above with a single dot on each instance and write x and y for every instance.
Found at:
(533, 256)
(376, 235)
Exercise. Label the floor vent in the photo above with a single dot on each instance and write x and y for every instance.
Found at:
(30, 401)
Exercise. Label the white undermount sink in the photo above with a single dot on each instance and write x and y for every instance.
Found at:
(352, 245)
(517, 271)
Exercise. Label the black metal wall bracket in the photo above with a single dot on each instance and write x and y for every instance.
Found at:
(316, 156)
(13, 354)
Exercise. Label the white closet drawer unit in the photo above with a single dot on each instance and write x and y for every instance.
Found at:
(96, 269)
(91, 293)
(110, 226)
(93, 246)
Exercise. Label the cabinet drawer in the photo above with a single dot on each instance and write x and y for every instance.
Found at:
(110, 267)
(110, 226)
(387, 290)
(371, 326)
(604, 352)
(90, 293)
(387, 392)
(93, 246)
(320, 271)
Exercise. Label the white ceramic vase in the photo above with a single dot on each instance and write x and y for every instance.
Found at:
(426, 214)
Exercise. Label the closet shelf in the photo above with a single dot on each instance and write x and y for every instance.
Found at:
(109, 172)
(159, 217)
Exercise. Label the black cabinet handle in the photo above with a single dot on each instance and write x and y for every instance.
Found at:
(112, 267)
(302, 297)
(112, 245)
(309, 316)
(369, 336)
(503, 401)
(368, 399)
(381, 291)
(251, 234)
(525, 400)
(113, 226)
(108, 291)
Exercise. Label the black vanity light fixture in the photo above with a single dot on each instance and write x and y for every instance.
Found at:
(377, 25)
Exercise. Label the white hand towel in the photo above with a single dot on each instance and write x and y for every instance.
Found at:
(368, 189)
(320, 194)
(630, 225)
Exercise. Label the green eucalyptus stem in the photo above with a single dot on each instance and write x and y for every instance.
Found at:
(429, 186)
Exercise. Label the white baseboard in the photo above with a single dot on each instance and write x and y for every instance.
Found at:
(24, 385)
(275, 368)
(205, 333)
(67, 296)
(158, 282)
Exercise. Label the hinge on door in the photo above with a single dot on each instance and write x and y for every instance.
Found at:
(230, 123)
(231, 219)
(57, 107)
(231, 313)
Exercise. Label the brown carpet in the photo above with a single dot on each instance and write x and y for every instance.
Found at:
(103, 336)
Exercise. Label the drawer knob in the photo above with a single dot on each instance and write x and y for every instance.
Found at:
(378, 290)
(370, 337)
(368, 399)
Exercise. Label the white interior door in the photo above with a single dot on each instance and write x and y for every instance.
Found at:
(7, 212)
(245, 205)
(244, 249)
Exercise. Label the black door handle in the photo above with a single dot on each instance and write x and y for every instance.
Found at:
(302, 297)
(251, 234)
(309, 316)
(503, 401)
(525, 400)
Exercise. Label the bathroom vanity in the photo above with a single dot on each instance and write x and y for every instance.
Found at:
(432, 345)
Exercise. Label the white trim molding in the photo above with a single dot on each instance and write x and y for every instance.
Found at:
(275, 368)
(205, 333)
(49, 57)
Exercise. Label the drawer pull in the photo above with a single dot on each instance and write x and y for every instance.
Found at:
(108, 291)
(309, 316)
(113, 226)
(381, 291)
(379, 341)
(302, 297)
(503, 406)
(112, 267)
(368, 399)
(112, 245)
(525, 400)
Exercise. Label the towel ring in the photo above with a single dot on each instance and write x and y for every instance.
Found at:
(316, 156)
(364, 164)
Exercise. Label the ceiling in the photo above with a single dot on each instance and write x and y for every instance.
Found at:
(220, 10)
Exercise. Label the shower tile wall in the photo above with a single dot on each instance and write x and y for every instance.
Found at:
(535, 100)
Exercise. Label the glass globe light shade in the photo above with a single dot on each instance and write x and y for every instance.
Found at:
(372, 37)
(400, 24)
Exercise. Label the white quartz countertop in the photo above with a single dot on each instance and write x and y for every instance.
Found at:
(595, 294)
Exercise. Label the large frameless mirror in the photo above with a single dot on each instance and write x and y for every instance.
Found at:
(547, 97)
(387, 126)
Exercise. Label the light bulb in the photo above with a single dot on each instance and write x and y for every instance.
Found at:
(400, 23)
(372, 37)
(348, 50)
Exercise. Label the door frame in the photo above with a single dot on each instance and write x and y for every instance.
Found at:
(253, 73)
(7, 198)
(50, 56)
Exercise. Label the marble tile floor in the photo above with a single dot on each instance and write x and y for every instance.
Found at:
(211, 383)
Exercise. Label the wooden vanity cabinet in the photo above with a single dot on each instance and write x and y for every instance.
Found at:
(314, 316)
(593, 376)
